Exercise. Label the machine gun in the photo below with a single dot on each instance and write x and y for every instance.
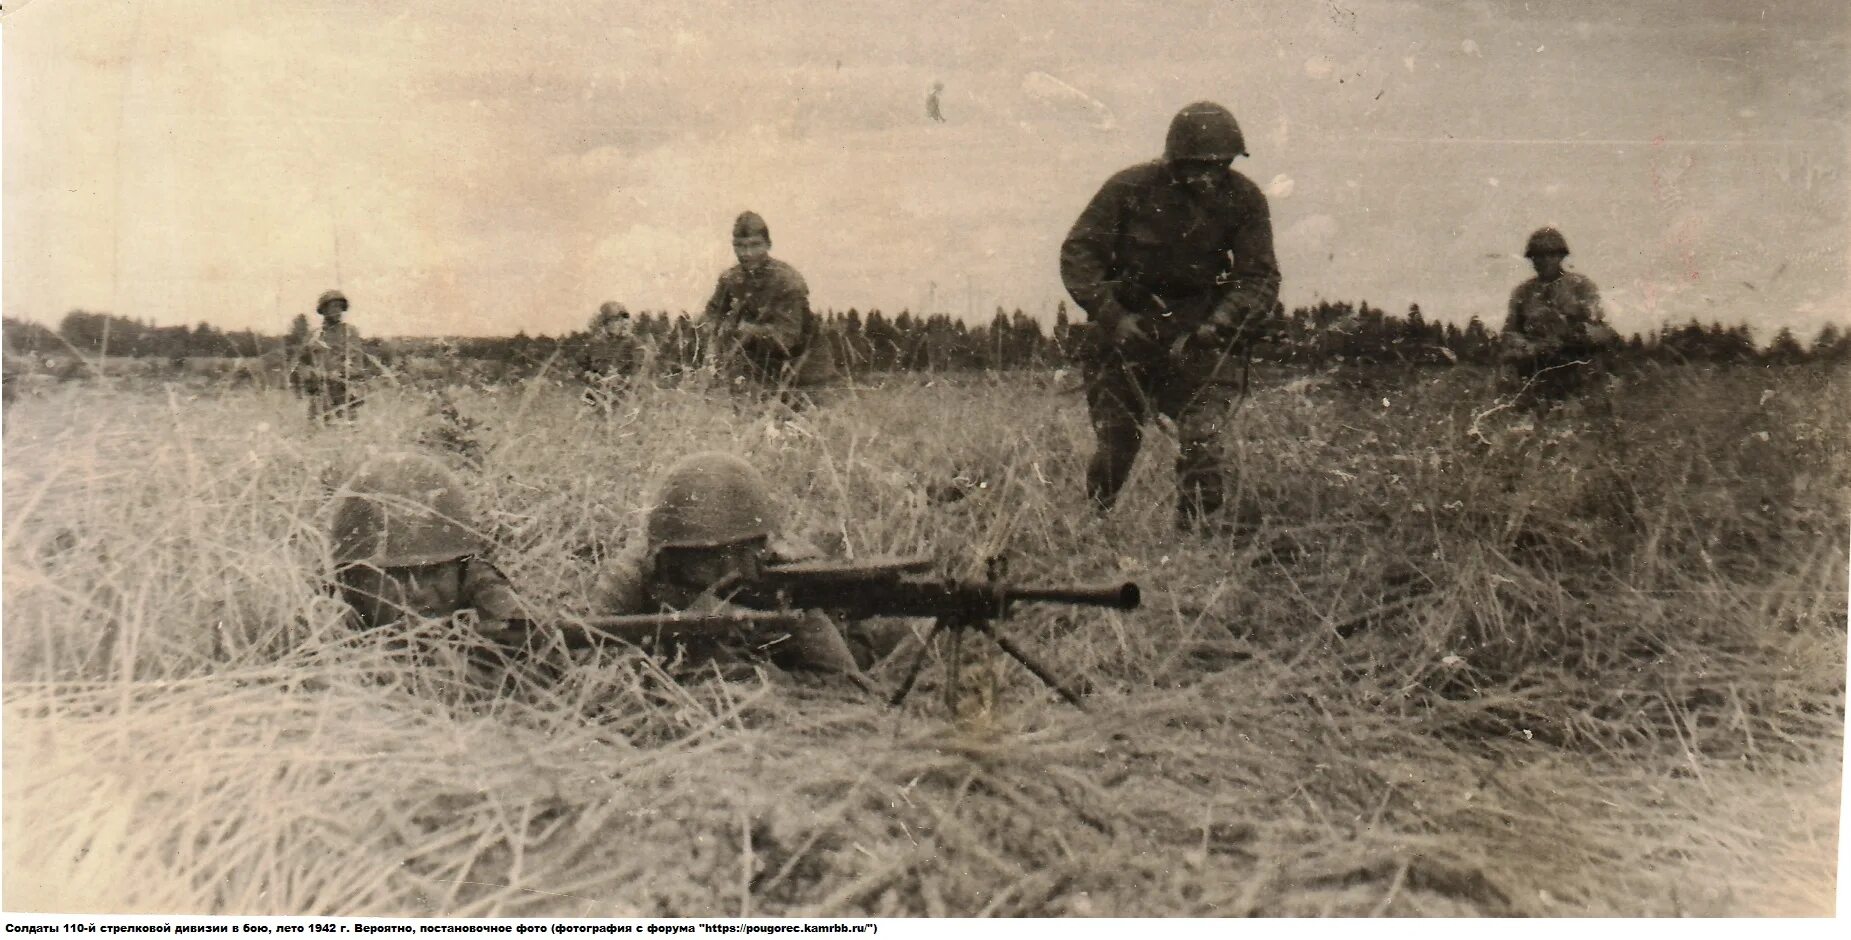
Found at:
(895, 587)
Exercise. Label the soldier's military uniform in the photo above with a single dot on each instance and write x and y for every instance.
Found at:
(612, 356)
(712, 517)
(334, 365)
(1555, 332)
(1173, 263)
(406, 543)
(759, 316)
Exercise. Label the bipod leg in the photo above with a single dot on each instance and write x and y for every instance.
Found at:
(1028, 662)
(912, 671)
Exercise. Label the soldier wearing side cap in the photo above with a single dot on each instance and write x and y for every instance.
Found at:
(760, 321)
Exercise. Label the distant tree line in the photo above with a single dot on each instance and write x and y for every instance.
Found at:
(1322, 335)
(106, 333)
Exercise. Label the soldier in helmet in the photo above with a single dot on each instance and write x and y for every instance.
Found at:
(1172, 261)
(612, 355)
(333, 364)
(406, 543)
(759, 316)
(1555, 330)
(712, 521)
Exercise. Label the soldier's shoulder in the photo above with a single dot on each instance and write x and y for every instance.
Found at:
(1580, 282)
(1245, 188)
(1138, 176)
(1526, 288)
(783, 274)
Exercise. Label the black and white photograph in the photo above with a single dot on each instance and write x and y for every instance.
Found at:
(924, 460)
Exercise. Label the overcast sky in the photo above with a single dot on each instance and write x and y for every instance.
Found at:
(487, 167)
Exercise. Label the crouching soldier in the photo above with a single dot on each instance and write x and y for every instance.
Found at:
(759, 317)
(1555, 336)
(711, 524)
(406, 544)
(612, 358)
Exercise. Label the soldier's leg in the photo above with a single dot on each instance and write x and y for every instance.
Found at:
(1115, 405)
(1202, 477)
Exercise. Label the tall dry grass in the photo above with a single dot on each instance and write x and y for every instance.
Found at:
(1470, 667)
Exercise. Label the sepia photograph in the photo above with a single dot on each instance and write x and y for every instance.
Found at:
(1018, 459)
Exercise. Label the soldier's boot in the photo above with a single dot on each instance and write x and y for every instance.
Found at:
(1118, 439)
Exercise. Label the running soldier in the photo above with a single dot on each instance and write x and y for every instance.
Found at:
(1173, 263)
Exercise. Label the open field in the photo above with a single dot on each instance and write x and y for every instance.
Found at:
(1468, 669)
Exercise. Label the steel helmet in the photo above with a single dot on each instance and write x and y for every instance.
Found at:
(708, 500)
(1204, 131)
(608, 312)
(403, 510)
(1545, 241)
(328, 297)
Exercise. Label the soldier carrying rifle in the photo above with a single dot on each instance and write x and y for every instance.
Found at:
(1556, 332)
(333, 365)
(1173, 262)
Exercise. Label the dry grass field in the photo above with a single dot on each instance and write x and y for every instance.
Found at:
(1471, 668)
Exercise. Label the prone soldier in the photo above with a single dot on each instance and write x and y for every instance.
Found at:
(760, 320)
(711, 524)
(1555, 331)
(406, 543)
(1173, 262)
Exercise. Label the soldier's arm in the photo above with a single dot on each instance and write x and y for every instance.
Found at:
(490, 592)
(620, 588)
(719, 305)
(1513, 316)
(1087, 255)
(785, 309)
(1595, 325)
(1253, 269)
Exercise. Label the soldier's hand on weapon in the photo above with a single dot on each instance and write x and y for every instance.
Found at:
(1220, 325)
(1129, 330)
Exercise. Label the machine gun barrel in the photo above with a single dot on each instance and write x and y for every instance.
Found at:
(1124, 596)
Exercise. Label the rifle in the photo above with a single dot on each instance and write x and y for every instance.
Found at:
(891, 587)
